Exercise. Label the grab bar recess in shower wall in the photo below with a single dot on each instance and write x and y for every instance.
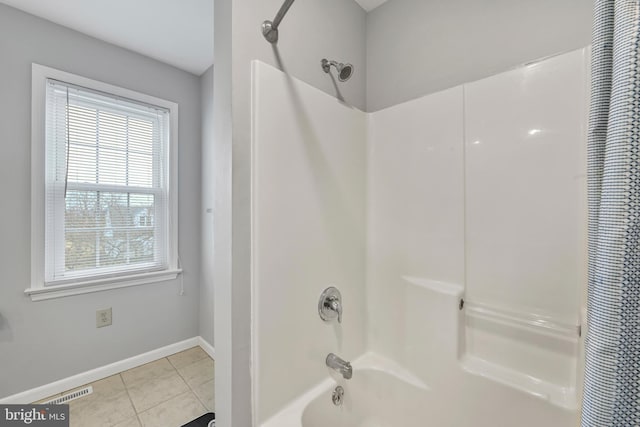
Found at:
(270, 28)
(529, 321)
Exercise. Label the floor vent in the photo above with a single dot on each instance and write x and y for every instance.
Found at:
(70, 396)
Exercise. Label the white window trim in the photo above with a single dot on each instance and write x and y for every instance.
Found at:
(38, 291)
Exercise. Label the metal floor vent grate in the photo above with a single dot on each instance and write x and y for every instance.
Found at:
(70, 396)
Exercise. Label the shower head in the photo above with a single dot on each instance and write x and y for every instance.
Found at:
(344, 70)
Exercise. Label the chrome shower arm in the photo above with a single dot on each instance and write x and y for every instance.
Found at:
(270, 28)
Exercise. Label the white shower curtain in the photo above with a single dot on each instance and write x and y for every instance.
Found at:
(612, 374)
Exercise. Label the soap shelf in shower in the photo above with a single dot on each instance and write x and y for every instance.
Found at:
(564, 397)
(534, 353)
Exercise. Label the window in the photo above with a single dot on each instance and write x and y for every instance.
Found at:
(105, 190)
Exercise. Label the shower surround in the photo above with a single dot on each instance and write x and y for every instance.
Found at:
(454, 226)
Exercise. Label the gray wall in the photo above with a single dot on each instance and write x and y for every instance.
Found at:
(312, 30)
(45, 341)
(208, 197)
(417, 47)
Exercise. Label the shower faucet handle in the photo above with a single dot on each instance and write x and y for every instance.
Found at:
(330, 304)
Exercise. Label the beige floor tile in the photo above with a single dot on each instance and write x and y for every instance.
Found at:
(175, 412)
(147, 372)
(187, 357)
(109, 385)
(206, 393)
(108, 405)
(155, 390)
(131, 422)
(146, 394)
(199, 372)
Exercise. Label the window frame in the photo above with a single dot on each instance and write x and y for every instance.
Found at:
(38, 291)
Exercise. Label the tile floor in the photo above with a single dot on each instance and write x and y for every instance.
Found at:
(168, 392)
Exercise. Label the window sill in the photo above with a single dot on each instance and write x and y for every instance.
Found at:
(89, 286)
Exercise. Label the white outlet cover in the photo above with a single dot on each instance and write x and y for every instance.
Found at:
(103, 318)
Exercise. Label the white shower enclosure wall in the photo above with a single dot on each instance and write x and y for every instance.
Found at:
(454, 226)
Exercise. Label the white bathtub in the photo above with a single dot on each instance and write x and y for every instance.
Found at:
(438, 374)
(379, 391)
(373, 399)
(383, 394)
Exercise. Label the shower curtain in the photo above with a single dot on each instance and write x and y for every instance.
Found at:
(612, 372)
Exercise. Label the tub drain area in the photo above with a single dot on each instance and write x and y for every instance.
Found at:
(337, 396)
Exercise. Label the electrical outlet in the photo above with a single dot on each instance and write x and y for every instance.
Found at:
(103, 318)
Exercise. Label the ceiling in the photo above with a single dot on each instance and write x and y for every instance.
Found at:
(179, 33)
(369, 5)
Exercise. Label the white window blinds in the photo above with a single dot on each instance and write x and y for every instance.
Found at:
(106, 190)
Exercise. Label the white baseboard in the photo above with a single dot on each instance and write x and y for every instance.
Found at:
(208, 348)
(87, 377)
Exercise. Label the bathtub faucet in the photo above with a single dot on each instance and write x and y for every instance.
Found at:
(342, 366)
